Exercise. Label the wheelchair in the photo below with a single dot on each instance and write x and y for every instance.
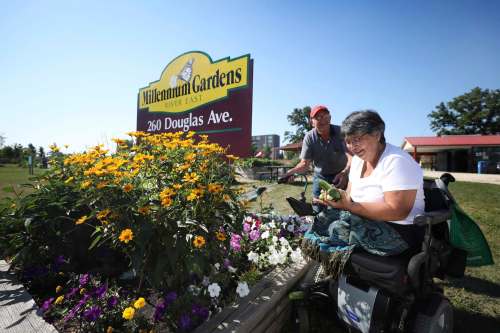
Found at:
(391, 294)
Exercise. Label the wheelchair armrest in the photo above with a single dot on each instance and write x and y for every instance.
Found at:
(432, 218)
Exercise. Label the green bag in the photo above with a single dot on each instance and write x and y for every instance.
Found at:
(466, 235)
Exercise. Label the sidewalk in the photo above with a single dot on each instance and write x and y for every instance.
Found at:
(467, 177)
(17, 308)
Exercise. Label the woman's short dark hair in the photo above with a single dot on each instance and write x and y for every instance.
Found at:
(363, 122)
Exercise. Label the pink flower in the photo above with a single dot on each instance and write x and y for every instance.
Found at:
(235, 242)
(254, 235)
(247, 227)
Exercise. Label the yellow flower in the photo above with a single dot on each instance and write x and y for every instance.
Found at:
(128, 187)
(199, 241)
(166, 202)
(85, 184)
(58, 289)
(191, 177)
(126, 236)
(190, 157)
(143, 210)
(54, 148)
(128, 313)
(81, 219)
(177, 186)
(226, 197)
(101, 185)
(82, 291)
(139, 303)
(59, 300)
(232, 157)
(220, 236)
(69, 180)
(214, 188)
(109, 329)
(168, 192)
(103, 213)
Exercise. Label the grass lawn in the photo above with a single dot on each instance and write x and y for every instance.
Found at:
(13, 175)
(476, 297)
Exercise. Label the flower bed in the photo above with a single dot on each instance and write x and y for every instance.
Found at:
(152, 236)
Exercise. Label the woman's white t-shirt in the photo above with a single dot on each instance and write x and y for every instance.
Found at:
(396, 170)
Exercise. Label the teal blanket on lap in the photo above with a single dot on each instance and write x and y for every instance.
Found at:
(335, 234)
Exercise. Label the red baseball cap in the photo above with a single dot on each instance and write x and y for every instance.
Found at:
(318, 108)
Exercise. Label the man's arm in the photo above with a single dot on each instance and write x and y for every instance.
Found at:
(340, 179)
(301, 167)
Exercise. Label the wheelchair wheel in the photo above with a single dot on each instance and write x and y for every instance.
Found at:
(441, 321)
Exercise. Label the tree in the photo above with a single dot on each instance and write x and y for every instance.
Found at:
(41, 152)
(300, 119)
(475, 112)
(2, 140)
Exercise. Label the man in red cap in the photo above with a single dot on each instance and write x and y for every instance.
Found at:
(325, 148)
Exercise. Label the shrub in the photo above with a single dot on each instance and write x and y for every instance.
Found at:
(152, 220)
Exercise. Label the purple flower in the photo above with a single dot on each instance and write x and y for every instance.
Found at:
(227, 263)
(184, 322)
(92, 314)
(254, 235)
(100, 291)
(84, 279)
(46, 304)
(72, 293)
(112, 302)
(235, 242)
(247, 227)
(170, 297)
(200, 311)
(160, 310)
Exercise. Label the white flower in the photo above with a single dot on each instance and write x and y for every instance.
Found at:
(248, 219)
(265, 235)
(214, 290)
(296, 255)
(253, 257)
(290, 228)
(217, 266)
(274, 258)
(282, 257)
(242, 289)
(231, 269)
(284, 242)
(275, 239)
(272, 224)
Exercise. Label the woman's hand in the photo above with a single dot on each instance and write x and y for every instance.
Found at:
(344, 203)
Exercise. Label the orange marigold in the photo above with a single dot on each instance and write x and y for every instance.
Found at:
(199, 241)
(126, 236)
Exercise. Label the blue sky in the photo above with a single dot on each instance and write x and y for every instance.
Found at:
(71, 70)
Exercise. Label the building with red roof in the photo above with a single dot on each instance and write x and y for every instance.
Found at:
(456, 153)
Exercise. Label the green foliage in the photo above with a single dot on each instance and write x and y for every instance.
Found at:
(299, 118)
(253, 162)
(475, 112)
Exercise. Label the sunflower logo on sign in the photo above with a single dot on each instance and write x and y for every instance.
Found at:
(184, 75)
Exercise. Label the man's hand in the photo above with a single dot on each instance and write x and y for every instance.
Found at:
(340, 180)
(285, 179)
(344, 203)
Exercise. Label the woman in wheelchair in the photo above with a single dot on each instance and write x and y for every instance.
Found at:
(384, 194)
(385, 285)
